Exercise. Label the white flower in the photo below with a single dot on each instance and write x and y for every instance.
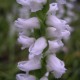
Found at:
(54, 46)
(25, 41)
(24, 2)
(36, 5)
(56, 66)
(31, 64)
(53, 8)
(27, 23)
(38, 47)
(25, 77)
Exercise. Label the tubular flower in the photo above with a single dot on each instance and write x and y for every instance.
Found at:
(31, 64)
(25, 41)
(38, 47)
(41, 32)
(27, 24)
(55, 65)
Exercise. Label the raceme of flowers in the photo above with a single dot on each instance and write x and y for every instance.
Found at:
(41, 32)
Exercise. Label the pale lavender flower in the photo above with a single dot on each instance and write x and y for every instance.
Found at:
(52, 20)
(24, 12)
(52, 33)
(61, 1)
(55, 66)
(31, 64)
(53, 8)
(36, 5)
(54, 46)
(27, 23)
(25, 77)
(23, 2)
(25, 41)
(38, 47)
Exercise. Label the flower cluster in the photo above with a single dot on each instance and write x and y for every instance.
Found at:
(41, 32)
(69, 12)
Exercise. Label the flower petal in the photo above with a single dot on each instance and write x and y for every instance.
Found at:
(25, 77)
(31, 64)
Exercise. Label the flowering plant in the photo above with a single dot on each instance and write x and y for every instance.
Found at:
(41, 31)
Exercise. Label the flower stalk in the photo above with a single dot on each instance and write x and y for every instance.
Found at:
(42, 33)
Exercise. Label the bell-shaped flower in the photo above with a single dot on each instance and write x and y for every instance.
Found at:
(27, 23)
(38, 47)
(25, 41)
(53, 8)
(25, 77)
(32, 64)
(54, 46)
(55, 65)
(36, 5)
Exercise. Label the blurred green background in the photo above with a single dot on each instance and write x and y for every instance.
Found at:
(10, 52)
